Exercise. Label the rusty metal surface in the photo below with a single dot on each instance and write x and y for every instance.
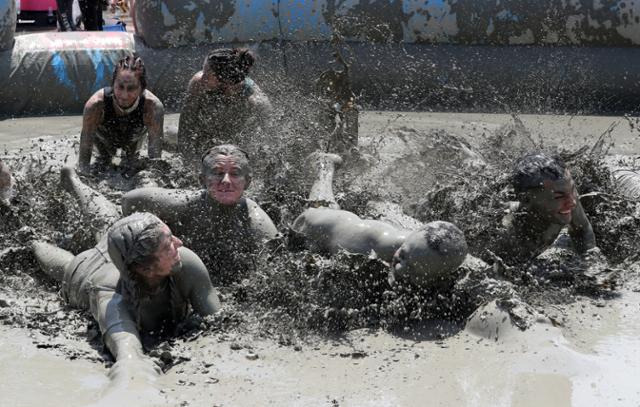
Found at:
(170, 23)
(7, 23)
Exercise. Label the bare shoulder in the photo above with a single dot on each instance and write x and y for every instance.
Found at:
(195, 83)
(260, 220)
(192, 272)
(95, 103)
(151, 99)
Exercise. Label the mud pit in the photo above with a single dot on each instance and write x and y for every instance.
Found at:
(585, 351)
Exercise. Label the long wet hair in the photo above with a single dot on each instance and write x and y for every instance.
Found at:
(134, 64)
(230, 64)
(531, 170)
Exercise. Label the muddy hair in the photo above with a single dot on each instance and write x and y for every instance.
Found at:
(241, 156)
(134, 64)
(443, 236)
(230, 64)
(133, 242)
(531, 170)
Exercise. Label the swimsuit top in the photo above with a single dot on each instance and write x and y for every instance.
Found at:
(120, 131)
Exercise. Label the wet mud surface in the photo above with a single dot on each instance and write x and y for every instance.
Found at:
(311, 330)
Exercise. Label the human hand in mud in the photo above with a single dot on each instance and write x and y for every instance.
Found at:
(132, 383)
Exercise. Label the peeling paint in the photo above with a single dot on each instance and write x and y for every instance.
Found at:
(7, 23)
(466, 22)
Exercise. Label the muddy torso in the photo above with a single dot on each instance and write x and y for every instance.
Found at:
(221, 236)
(115, 131)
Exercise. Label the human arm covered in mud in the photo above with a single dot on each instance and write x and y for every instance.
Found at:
(195, 284)
(132, 378)
(581, 231)
(154, 120)
(261, 223)
(167, 204)
(91, 117)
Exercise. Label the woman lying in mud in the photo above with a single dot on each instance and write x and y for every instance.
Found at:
(120, 116)
(547, 203)
(428, 256)
(137, 280)
(223, 105)
(221, 225)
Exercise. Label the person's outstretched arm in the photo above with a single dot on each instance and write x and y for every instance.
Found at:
(133, 376)
(154, 120)
(91, 118)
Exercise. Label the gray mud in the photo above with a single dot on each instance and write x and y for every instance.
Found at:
(306, 329)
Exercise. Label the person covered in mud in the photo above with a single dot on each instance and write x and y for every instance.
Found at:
(119, 117)
(218, 222)
(428, 256)
(137, 281)
(223, 104)
(547, 203)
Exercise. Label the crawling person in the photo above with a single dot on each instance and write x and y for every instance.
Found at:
(427, 257)
(119, 117)
(547, 202)
(222, 226)
(223, 104)
(137, 280)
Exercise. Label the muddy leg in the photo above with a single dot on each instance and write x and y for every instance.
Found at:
(52, 259)
(100, 210)
(322, 189)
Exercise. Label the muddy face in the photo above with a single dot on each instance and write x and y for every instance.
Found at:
(555, 201)
(126, 89)
(226, 181)
(167, 259)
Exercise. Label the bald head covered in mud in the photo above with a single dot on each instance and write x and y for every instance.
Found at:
(223, 104)
(119, 117)
(547, 202)
(221, 225)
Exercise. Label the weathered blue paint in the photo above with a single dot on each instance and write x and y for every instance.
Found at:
(7, 23)
(303, 19)
(103, 67)
(60, 71)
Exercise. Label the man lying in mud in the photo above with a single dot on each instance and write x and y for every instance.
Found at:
(119, 117)
(223, 104)
(547, 203)
(137, 280)
(427, 257)
(221, 225)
